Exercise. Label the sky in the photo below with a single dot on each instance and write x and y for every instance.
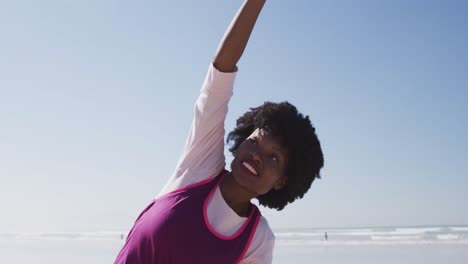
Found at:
(96, 99)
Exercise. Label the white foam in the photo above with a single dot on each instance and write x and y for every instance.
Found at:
(448, 237)
(376, 236)
(352, 236)
(459, 229)
(396, 238)
(298, 234)
(63, 236)
(369, 242)
(411, 231)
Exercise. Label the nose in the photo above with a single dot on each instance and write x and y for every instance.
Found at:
(256, 157)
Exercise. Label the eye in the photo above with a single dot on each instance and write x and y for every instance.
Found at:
(252, 140)
(274, 158)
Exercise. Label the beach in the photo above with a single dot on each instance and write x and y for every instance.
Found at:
(98, 252)
(429, 245)
(382, 254)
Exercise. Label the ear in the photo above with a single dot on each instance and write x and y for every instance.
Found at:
(281, 183)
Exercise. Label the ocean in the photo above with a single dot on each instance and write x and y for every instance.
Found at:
(383, 245)
(424, 244)
(374, 236)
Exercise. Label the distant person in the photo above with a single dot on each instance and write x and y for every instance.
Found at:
(204, 213)
(326, 236)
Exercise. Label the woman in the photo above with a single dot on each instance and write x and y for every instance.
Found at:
(204, 213)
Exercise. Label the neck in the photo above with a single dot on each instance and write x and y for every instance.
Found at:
(237, 197)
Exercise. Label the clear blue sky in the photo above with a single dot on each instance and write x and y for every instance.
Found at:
(96, 100)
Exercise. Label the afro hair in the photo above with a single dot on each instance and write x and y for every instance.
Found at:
(297, 135)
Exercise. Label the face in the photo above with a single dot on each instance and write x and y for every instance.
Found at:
(260, 163)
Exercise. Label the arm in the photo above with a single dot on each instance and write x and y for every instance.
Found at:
(203, 153)
(237, 35)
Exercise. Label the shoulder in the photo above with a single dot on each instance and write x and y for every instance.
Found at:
(264, 231)
(261, 248)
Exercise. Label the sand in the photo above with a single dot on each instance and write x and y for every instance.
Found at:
(59, 251)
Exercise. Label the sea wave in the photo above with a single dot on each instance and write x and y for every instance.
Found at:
(369, 242)
(396, 238)
(304, 236)
(448, 237)
(458, 229)
(63, 236)
(376, 236)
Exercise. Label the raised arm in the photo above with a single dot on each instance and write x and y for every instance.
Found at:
(203, 153)
(237, 35)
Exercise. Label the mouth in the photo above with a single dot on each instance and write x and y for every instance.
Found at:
(249, 167)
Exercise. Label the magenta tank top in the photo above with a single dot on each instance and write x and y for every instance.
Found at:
(174, 229)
